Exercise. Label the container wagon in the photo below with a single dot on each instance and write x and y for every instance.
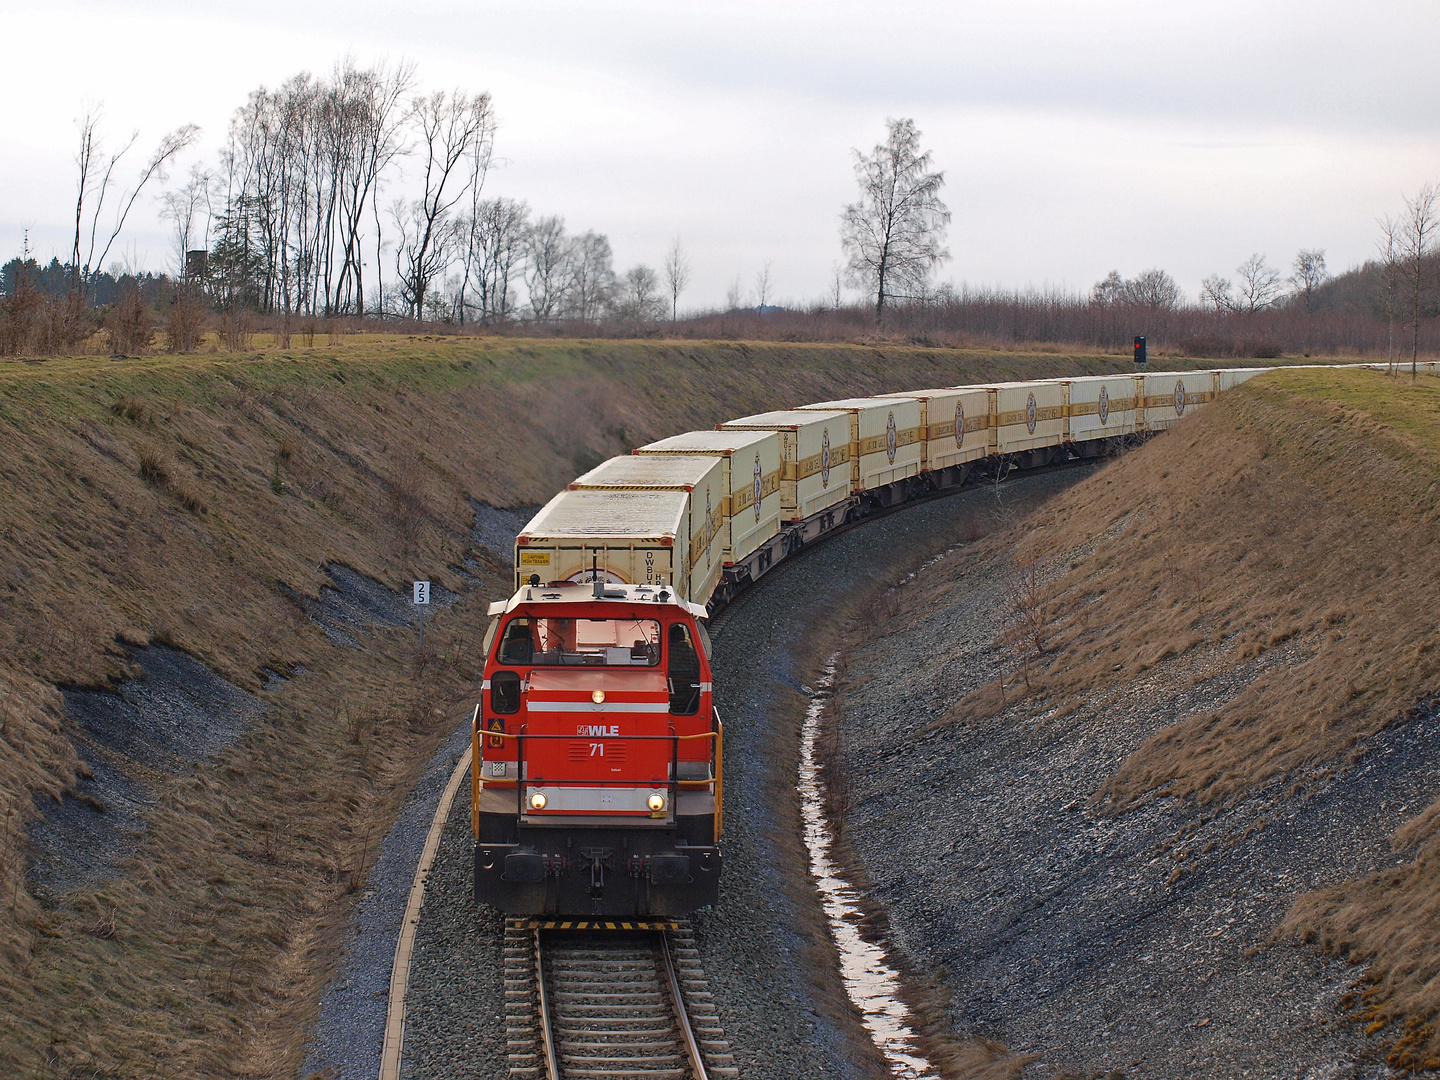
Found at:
(815, 458)
(885, 446)
(751, 469)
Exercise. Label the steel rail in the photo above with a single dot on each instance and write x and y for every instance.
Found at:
(682, 1015)
(547, 1034)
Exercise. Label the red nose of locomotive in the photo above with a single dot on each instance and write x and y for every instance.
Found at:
(597, 781)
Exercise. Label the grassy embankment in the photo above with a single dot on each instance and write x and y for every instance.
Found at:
(164, 500)
(1302, 508)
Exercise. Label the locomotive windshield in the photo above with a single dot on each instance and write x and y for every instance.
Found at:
(581, 642)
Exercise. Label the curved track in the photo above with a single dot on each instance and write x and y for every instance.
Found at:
(622, 1000)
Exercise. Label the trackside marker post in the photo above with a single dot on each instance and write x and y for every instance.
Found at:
(422, 600)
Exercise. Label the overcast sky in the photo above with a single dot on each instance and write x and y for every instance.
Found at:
(1075, 137)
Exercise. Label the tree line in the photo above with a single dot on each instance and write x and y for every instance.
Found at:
(358, 196)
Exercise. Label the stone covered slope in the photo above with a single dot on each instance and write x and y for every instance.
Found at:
(1217, 666)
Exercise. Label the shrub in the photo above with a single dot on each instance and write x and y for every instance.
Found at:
(131, 325)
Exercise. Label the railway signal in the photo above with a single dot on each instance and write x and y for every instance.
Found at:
(1140, 355)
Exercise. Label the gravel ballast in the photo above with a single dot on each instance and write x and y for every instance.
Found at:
(1144, 942)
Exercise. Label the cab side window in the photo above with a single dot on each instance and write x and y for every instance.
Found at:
(518, 644)
(505, 692)
(683, 672)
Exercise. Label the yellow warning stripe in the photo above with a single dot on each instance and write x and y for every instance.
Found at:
(591, 924)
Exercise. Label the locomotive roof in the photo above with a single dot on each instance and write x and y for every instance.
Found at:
(571, 592)
(649, 471)
(784, 418)
(720, 441)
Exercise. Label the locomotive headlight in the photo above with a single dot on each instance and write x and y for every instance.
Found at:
(537, 801)
(656, 802)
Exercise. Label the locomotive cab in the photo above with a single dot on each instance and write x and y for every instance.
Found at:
(597, 773)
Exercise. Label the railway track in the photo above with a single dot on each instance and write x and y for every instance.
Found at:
(587, 1000)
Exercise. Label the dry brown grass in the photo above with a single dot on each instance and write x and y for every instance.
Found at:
(1302, 508)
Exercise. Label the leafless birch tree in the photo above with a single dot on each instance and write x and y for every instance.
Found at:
(1418, 226)
(548, 267)
(592, 282)
(1309, 274)
(1259, 286)
(894, 235)
(448, 126)
(762, 286)
(677, 275)
(1392, 273)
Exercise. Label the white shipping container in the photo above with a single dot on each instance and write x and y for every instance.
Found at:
(634, 537)
(954, 425)
(702, 476)
(815, 457)
(1026, 415)
(1171, 395)
(1225, 378)
(751, 463)
(1103, 405)
(885, 443)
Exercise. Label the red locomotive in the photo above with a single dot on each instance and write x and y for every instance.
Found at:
(597, 773)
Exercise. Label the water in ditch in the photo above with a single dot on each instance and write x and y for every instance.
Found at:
(873, 985)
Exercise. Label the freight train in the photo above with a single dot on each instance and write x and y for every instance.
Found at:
(597, 771)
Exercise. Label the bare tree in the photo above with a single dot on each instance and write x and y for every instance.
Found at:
(894, 236)
(762, 287)
(732, 295)
(99, 186)
(183, 206)
(449, 126)
(1259, 287)
(639, 300)
(592, 281)
(371, 101)
(1215, 293)
(1392, 273)
(1418, 225)
(677, 276)
(1153, 289)
(1109, 290)
(837, 283)
(548, 257)
(499, 237)
(1309, 275)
